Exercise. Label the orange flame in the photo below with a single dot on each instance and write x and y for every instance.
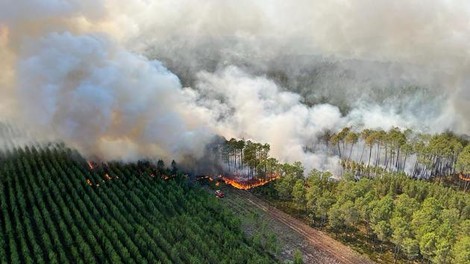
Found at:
(90, 164)
(463, 178)
(246, 185)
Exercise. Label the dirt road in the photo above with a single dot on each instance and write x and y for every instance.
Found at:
(316, 246)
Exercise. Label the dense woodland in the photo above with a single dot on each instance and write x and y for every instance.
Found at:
(55, 209)
(415, 219)
(379, 195)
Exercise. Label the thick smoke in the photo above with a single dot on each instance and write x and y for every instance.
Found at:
(408, 54)
(87, 90)
(95, 73)
(106, 99)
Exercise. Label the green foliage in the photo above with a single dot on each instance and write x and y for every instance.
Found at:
(298, 193)
(242, 156)
(463, 161)
(461, 250)
(410, 248)
(50, 213)
(423, 220)
(285, 186)
(298, 257)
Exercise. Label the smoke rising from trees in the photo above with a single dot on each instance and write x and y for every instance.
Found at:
(121, 79)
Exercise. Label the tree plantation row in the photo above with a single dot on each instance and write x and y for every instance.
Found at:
(413, 219)
(54, 209)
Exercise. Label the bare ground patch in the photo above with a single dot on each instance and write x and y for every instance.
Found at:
(262, 219)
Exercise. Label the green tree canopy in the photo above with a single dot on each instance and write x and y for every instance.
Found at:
(463, 161)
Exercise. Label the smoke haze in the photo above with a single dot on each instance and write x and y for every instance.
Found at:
(133, 79)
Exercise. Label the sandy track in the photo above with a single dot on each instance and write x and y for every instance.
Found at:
(331, 250)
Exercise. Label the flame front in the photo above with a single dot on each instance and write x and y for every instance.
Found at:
(246, 185)
(463, 178)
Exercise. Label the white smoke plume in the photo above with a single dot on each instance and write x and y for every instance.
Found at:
(87, 90)
(95, 73)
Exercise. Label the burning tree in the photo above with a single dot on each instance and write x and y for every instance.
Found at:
(247, 164)
(253, 158)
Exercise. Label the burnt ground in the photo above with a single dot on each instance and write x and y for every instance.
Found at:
(266, 222)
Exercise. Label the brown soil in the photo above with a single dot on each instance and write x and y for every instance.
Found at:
(316, 246)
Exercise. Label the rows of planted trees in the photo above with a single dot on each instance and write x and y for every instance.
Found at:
(419, 155)
(55, 209)
(414, 219)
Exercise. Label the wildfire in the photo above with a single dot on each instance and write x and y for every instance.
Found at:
(463, 178)
(209, 178)
(248, 184)
(106, 177)
(90, 164)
